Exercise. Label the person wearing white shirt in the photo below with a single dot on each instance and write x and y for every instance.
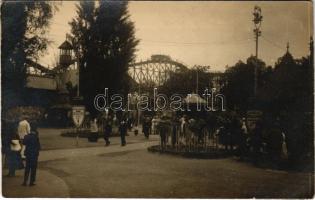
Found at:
(153, 125)
(244, 126)
(24, 128)
(94, 130)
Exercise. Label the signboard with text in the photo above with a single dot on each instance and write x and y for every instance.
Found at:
(78, 113)
(252, 117)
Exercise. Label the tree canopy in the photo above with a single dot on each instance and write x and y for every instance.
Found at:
(104, 43)
(285, 92)
(24, 25)
(185, 82)
(240, 78)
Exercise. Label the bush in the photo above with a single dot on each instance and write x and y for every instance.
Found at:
(33, 113)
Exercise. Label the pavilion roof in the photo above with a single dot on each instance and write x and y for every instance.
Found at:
(66, 45)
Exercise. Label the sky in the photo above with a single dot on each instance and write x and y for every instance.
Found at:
(212, 33)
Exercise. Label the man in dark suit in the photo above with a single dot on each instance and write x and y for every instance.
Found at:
(107, 132)
(123, 131)
(31, 141)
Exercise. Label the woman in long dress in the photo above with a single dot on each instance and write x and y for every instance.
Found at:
(13, 156)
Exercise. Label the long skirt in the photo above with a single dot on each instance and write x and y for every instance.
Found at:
(14, 161)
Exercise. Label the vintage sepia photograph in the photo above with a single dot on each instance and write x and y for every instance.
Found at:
(157, 99)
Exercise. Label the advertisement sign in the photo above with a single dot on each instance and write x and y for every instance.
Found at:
(252, 117)
(78, 113)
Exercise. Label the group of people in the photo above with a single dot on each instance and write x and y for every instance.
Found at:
(182, 131)
(21, 149)
(235, 136)
(106, 124)
(262, 139)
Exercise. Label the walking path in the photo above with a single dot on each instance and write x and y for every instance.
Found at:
(131, 171)
(91, 151)
(50, 185)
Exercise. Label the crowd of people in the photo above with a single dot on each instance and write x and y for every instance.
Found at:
(106, 124)
(173, 129)
(258, 143)
(263, 141)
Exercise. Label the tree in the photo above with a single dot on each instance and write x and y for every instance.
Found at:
(24, 25)
(185, 82)
(290, 86)
(290, 92)
(105, 44)
(239, 90)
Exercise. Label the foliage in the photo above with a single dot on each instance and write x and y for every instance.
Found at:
(185, 82)
(239, 90)
(284, 92)
(24, 25)
(290, 92)
(31, 112)
(103, 38)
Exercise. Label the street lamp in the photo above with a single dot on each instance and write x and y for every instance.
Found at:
(257, 22)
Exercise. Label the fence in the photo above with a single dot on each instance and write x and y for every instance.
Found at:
(173, 138)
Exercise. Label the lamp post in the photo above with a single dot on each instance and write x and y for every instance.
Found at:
(257, 22)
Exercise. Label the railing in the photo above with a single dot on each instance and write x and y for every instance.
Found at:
(188, 141)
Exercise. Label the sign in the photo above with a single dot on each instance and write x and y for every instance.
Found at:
(252, 117)
(78, 113)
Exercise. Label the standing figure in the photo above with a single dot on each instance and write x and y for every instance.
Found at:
(115, 120)
(256, 142)
(94, 130)
(146, 127)
(222, 133)
(243, 150)
(13, 156)
(275, 140)
(163, 129)
(234, 130)
(284, 152)
(183, 122)
(190, 133)
(107, 132)
(123, 131)
(174, 136)
(23, 129)
(32, 148)
(244, 127)
(153, 125)
(129, 123)
(183, 127)
(200, 132)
